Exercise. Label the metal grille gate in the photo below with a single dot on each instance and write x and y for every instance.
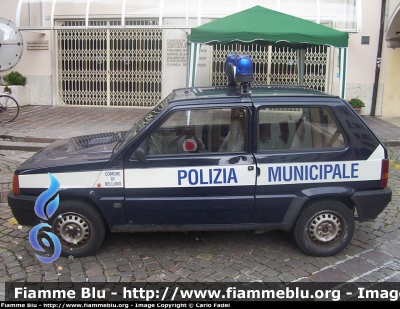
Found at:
(274, 65)
(110, 67)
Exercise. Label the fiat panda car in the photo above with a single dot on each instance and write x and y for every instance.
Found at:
(235, 157)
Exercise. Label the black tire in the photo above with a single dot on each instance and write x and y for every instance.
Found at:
(324, 228)
(79, 227)
(9, 108)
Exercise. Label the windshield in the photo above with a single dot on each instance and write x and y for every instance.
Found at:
(141, 124)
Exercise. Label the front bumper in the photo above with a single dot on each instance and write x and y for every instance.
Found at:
(23, 209)
(370, 204)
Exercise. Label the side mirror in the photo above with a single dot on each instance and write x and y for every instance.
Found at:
(141, 152)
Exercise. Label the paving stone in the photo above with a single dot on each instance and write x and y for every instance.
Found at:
(181, 264)
(218, 276)
(128, 267)
(229, 272)
(299, 273)
(125, 273)
(194, 267)
(271, 279)
(94, 272)
(14, 270)
(111, 272)
(106, 260)
(64, 278)
(8, 259)
(125, 279)
(330, 275)
(198, 276)
(154, 278)
(110, 265)
(153, 266)
(205, 255)
(90, 265)
(19, 276)
(182, 258)
(294, 263)
(97, 279)
(169, 277)
(242, 278)
(52, 275)
(75, 265)
(392, 249)
(377, 257)
(270, 273)
(167, 264)
(5, 279)
(287, 277)
(78, 271)
(121, 262)
(113, 278)
(34, 278)
(78, 278)
(183, 272)
(140, 275)
(87, 259)
(205, 263)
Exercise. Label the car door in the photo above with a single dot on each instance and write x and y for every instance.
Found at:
(296, 147)
(199, 169)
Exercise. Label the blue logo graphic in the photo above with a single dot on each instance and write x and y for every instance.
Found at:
(45, 213)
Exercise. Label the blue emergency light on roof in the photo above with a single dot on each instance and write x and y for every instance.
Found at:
(244, 69)
(239, 69)
(230, 68)
(231, 59)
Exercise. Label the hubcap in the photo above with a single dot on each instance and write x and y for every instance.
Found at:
(325, 227)
(73, 229)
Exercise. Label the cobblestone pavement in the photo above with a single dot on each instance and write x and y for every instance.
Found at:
(372, 255)
(55, 122)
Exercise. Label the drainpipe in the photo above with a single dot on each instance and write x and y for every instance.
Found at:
(378, 60)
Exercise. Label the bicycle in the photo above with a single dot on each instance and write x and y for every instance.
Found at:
(9, 107)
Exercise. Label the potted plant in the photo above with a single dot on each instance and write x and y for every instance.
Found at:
(15, 84)
(356, 103)
(15, 79)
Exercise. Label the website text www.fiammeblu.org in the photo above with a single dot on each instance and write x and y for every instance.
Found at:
(178, 293)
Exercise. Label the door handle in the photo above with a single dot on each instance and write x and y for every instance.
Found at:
(251, 168)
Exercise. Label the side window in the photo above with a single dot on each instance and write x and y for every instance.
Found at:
(297, 128)
(200, 131)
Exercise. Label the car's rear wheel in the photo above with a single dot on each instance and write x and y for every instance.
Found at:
(324, 228)
(79, 227)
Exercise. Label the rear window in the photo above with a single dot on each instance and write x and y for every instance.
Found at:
(297, 128)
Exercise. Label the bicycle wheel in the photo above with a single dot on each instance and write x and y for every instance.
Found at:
(9, 108)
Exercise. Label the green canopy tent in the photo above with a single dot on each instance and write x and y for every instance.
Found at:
(259, 25)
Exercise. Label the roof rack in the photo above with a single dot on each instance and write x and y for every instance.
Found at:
(282, 86)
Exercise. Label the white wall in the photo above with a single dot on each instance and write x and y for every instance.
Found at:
(362, 58)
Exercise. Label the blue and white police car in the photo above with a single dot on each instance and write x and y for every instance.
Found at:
(240, 156)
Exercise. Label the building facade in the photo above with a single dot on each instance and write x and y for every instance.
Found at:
(130, 53)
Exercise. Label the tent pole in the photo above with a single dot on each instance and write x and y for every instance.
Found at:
(193, 51)
(188, 63)
(301, 55)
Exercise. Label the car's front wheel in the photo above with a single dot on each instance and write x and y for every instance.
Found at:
(324, 228)
(79, 227)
